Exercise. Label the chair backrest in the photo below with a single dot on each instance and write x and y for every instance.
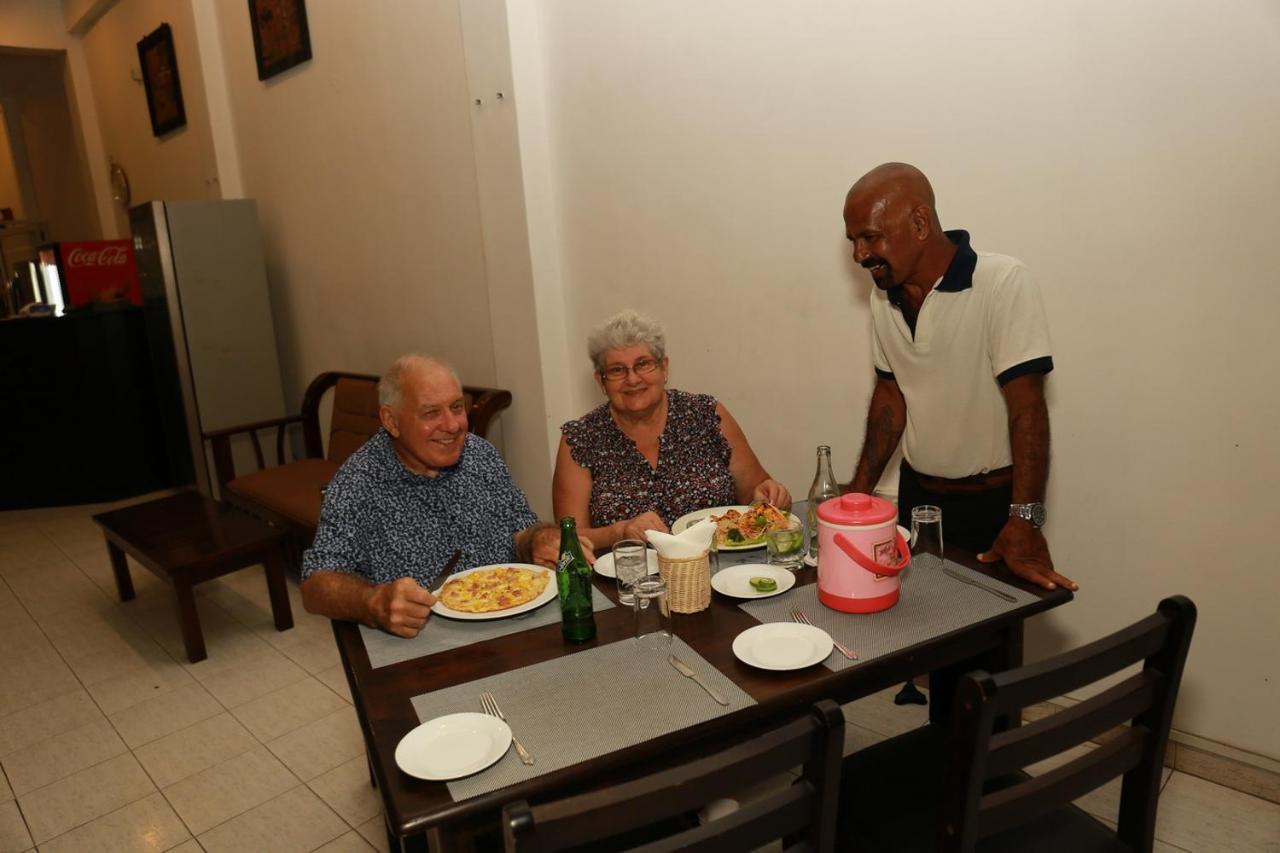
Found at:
(1145, 700)
(802, 814)
(355, 412)
(355, 416)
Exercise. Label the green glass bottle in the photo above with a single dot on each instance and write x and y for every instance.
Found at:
(573, 582)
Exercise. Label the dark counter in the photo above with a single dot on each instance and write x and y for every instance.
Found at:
(80, 418)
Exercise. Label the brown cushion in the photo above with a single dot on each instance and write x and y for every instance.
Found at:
(291, 490)
(355, 417)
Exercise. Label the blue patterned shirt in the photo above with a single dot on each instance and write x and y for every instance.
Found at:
(382, 521)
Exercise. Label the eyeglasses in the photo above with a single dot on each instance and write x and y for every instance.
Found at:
(618, 372)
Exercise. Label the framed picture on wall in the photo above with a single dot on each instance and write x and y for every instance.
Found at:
(160, 79)
(281, 39)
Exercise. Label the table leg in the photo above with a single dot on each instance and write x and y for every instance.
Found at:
(120, 568)
(1004, 656)
(278, 590)
(192, 636)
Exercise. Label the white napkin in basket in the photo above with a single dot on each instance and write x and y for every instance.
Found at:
(694, 541)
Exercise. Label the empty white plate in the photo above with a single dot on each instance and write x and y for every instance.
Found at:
(604, 564)
(735, 581)
(453, 746)
(782, 645)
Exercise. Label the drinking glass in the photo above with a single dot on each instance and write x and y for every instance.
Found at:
(630, 564)
(786, 546)
(926, 537)
(653, 613)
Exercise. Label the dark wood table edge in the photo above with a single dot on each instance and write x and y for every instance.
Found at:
(997, 639)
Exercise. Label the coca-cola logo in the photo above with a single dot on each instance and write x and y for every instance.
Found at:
(107, 256)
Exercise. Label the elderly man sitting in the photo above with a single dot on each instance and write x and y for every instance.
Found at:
(419, 489)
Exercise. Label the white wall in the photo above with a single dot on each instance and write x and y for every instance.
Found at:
(697, 157)
(10, 189)
(362, 164)
(34, 83)
(180, 164)
(39, 25)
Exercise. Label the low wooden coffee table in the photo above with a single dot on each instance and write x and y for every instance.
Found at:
(187, 539)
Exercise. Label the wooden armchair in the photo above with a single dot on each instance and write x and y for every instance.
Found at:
(289, 493)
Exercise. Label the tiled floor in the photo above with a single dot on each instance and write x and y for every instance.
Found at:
(110, 740)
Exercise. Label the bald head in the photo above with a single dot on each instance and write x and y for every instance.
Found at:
(391, 385)
(891, 221)
(895, 185)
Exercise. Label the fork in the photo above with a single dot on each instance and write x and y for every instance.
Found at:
(491, 708)
(798, 615)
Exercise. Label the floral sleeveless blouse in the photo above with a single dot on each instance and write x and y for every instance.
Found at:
(693, 462)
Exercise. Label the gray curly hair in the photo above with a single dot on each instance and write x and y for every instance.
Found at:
(391, 382)
(625, 329)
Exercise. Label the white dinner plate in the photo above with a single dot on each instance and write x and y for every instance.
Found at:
(604, 564)
(782, 645)
(735, 581)
(548, 594)
(453, 746)
(689, 519)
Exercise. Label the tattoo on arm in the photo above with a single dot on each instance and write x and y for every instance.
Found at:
(886, 419)
(1028, 438)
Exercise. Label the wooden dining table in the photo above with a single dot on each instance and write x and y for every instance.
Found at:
(415, 810)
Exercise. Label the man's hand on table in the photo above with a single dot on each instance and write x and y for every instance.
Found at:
(771, 491)
(401, 607)
(545, 550)
(1025, 551)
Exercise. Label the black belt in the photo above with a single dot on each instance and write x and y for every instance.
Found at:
(973, 484)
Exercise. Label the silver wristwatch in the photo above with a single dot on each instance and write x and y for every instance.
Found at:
(1032, 513)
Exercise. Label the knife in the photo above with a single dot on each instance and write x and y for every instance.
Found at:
(998, 593)
(688, 673)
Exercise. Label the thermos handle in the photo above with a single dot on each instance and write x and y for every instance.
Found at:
(845, 544)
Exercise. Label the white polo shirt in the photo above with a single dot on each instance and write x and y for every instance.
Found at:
(981, 326)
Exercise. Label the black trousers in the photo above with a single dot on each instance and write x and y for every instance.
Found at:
(971, 521)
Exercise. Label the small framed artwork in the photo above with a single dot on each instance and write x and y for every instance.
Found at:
(160, 79)
(281, 39)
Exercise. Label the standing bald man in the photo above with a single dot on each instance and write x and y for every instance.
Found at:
(961, 349)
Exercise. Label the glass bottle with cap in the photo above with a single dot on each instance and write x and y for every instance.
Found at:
(824, 487)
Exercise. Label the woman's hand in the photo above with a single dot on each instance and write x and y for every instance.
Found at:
(634, 528)
(771, 491)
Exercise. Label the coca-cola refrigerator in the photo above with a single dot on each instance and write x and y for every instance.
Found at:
(78, 273)
(210, 329)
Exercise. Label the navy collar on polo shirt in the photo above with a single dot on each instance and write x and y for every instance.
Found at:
(958, 277)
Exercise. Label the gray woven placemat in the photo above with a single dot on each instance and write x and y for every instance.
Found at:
(442, 633)
(577, 707)
(931, 604)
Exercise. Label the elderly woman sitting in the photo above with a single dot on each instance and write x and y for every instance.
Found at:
(650, 454)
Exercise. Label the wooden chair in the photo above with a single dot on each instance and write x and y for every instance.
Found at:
(803, 814)
(289, 493)
(959, 786)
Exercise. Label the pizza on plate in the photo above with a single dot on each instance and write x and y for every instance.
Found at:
(492, 590)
